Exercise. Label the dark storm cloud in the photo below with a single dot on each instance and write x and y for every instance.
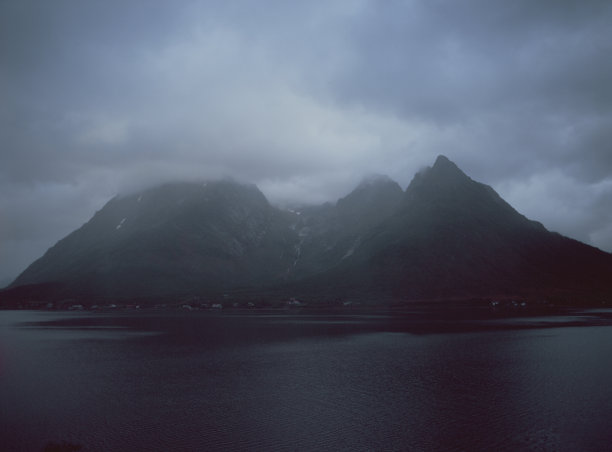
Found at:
(302, 98)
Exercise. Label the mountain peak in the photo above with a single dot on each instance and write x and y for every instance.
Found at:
(445, 167)
(375, 197)
(371, 187)
(444, 161)
(444, 173)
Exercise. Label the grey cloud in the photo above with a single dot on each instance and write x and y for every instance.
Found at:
(446, 59)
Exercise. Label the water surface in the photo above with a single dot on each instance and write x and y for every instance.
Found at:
(202, 381)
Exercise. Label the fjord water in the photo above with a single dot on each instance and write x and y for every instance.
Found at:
(202, 381)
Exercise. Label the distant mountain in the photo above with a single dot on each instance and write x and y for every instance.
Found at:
(176, 239)
(446, 236)
(452, 237)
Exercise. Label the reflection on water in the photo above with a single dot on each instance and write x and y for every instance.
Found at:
(168, 381)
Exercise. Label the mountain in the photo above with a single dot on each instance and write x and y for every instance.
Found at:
(175, 239)
(329, 234)
(452, 237)
(446, 236)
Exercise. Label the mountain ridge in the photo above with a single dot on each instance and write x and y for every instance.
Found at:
(445, 236)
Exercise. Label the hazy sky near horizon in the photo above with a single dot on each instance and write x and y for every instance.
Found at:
(302, 98)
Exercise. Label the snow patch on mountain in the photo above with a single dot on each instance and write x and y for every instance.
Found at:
(352, 249)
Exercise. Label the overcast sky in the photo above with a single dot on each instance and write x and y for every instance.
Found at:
(302, 98)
